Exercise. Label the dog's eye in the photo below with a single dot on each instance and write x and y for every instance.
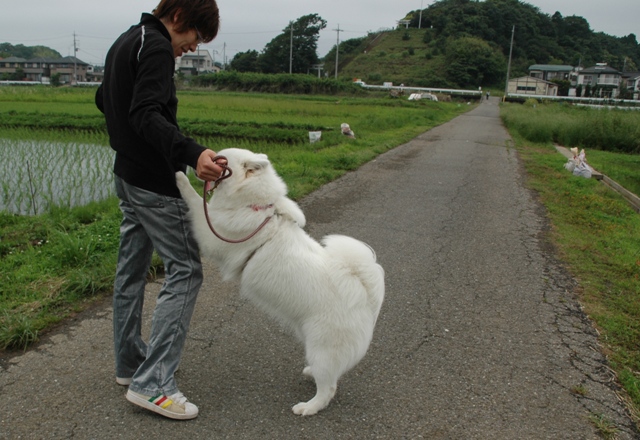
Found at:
(252, 167)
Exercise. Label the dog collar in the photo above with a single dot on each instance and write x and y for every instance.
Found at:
(261, 207)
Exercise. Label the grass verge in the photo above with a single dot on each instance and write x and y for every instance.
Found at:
(598, 235)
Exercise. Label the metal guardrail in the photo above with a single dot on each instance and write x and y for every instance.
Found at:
(574, 99)
(23, 83)
(457, 92)
(41, 83)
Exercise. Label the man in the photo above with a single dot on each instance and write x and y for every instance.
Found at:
(138, 99)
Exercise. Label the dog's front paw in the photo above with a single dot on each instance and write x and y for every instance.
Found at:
(305, 409)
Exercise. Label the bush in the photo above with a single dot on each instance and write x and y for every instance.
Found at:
(278, 83)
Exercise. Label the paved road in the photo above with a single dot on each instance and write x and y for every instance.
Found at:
(480, 336)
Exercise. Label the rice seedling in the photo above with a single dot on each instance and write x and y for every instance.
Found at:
(37, 174)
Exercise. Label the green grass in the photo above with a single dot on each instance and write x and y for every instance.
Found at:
(598, 234)
(389, 57)
(625, 167)
(570, 126)
(53, 264)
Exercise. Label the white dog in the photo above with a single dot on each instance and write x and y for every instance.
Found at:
(328, 295)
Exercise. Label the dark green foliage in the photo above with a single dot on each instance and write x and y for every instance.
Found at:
(538, 38)
(245, 61)
(474, 61)
(282, 83)
(7, 50)
(276, 56)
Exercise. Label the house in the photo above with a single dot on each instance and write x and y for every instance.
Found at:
(631, 82)
(196, 63)
(69, 68)
(95, 73)
(549, 72)
(528, 85)
(8, 66)
(600, 81)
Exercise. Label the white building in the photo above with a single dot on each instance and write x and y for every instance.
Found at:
(196, 63)
(528, 85)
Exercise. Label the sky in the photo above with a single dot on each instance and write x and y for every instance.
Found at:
(251, 24)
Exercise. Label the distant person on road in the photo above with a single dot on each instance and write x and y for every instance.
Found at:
(138, 99)
(488, 93)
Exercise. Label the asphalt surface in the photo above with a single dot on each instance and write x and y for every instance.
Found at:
(480, 335)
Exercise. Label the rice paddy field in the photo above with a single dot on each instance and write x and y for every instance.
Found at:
(59, 219)
(50, 135)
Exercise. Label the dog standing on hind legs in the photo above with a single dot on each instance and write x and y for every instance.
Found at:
(328, 295)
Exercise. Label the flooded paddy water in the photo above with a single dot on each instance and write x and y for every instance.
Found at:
(36, 175)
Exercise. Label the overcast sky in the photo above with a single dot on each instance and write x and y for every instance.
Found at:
(251, 24)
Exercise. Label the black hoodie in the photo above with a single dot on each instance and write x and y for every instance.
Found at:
(138, 99)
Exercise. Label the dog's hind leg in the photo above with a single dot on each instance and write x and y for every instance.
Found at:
(326, 386)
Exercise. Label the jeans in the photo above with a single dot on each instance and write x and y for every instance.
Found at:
(153, 221)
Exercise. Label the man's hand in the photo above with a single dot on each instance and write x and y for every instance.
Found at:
(207, 169)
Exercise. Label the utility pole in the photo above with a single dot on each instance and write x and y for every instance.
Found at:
(420, 21)
(506, 87)
(290, 47)
(75, 51)
(337, 47)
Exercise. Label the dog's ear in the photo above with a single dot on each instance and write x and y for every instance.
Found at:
(256, 163)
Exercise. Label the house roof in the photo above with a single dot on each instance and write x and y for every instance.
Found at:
(65, 60)
(551, 67)
(630, 74)
(600, 70)
(14, 60)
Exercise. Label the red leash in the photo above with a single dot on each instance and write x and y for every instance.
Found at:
(226, 173)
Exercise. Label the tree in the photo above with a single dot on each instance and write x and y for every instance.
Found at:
(245, 61)
(18, 75)
(473, 62)
(22, 51)
(539, 38)
(563, 86)
(275, 56)
(55, 80)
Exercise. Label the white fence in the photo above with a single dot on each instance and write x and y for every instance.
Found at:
(454, 92)
(576, 100)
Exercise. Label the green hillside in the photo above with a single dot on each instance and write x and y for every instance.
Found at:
(399, 56)
(8, 50)
(466, 43)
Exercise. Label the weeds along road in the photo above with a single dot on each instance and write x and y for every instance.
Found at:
(479, 337)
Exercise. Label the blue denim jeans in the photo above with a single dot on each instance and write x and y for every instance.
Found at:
(153, 221)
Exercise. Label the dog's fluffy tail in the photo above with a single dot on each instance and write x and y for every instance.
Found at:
(359, 259)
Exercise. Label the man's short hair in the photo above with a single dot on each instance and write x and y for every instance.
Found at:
(202, 15)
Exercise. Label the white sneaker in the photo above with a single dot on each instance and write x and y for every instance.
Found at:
(173, 407)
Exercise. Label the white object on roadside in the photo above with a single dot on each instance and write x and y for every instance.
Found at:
(578, 164)
(315, 136)
(346, 130)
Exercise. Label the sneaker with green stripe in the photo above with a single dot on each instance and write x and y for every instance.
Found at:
(173, 407)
